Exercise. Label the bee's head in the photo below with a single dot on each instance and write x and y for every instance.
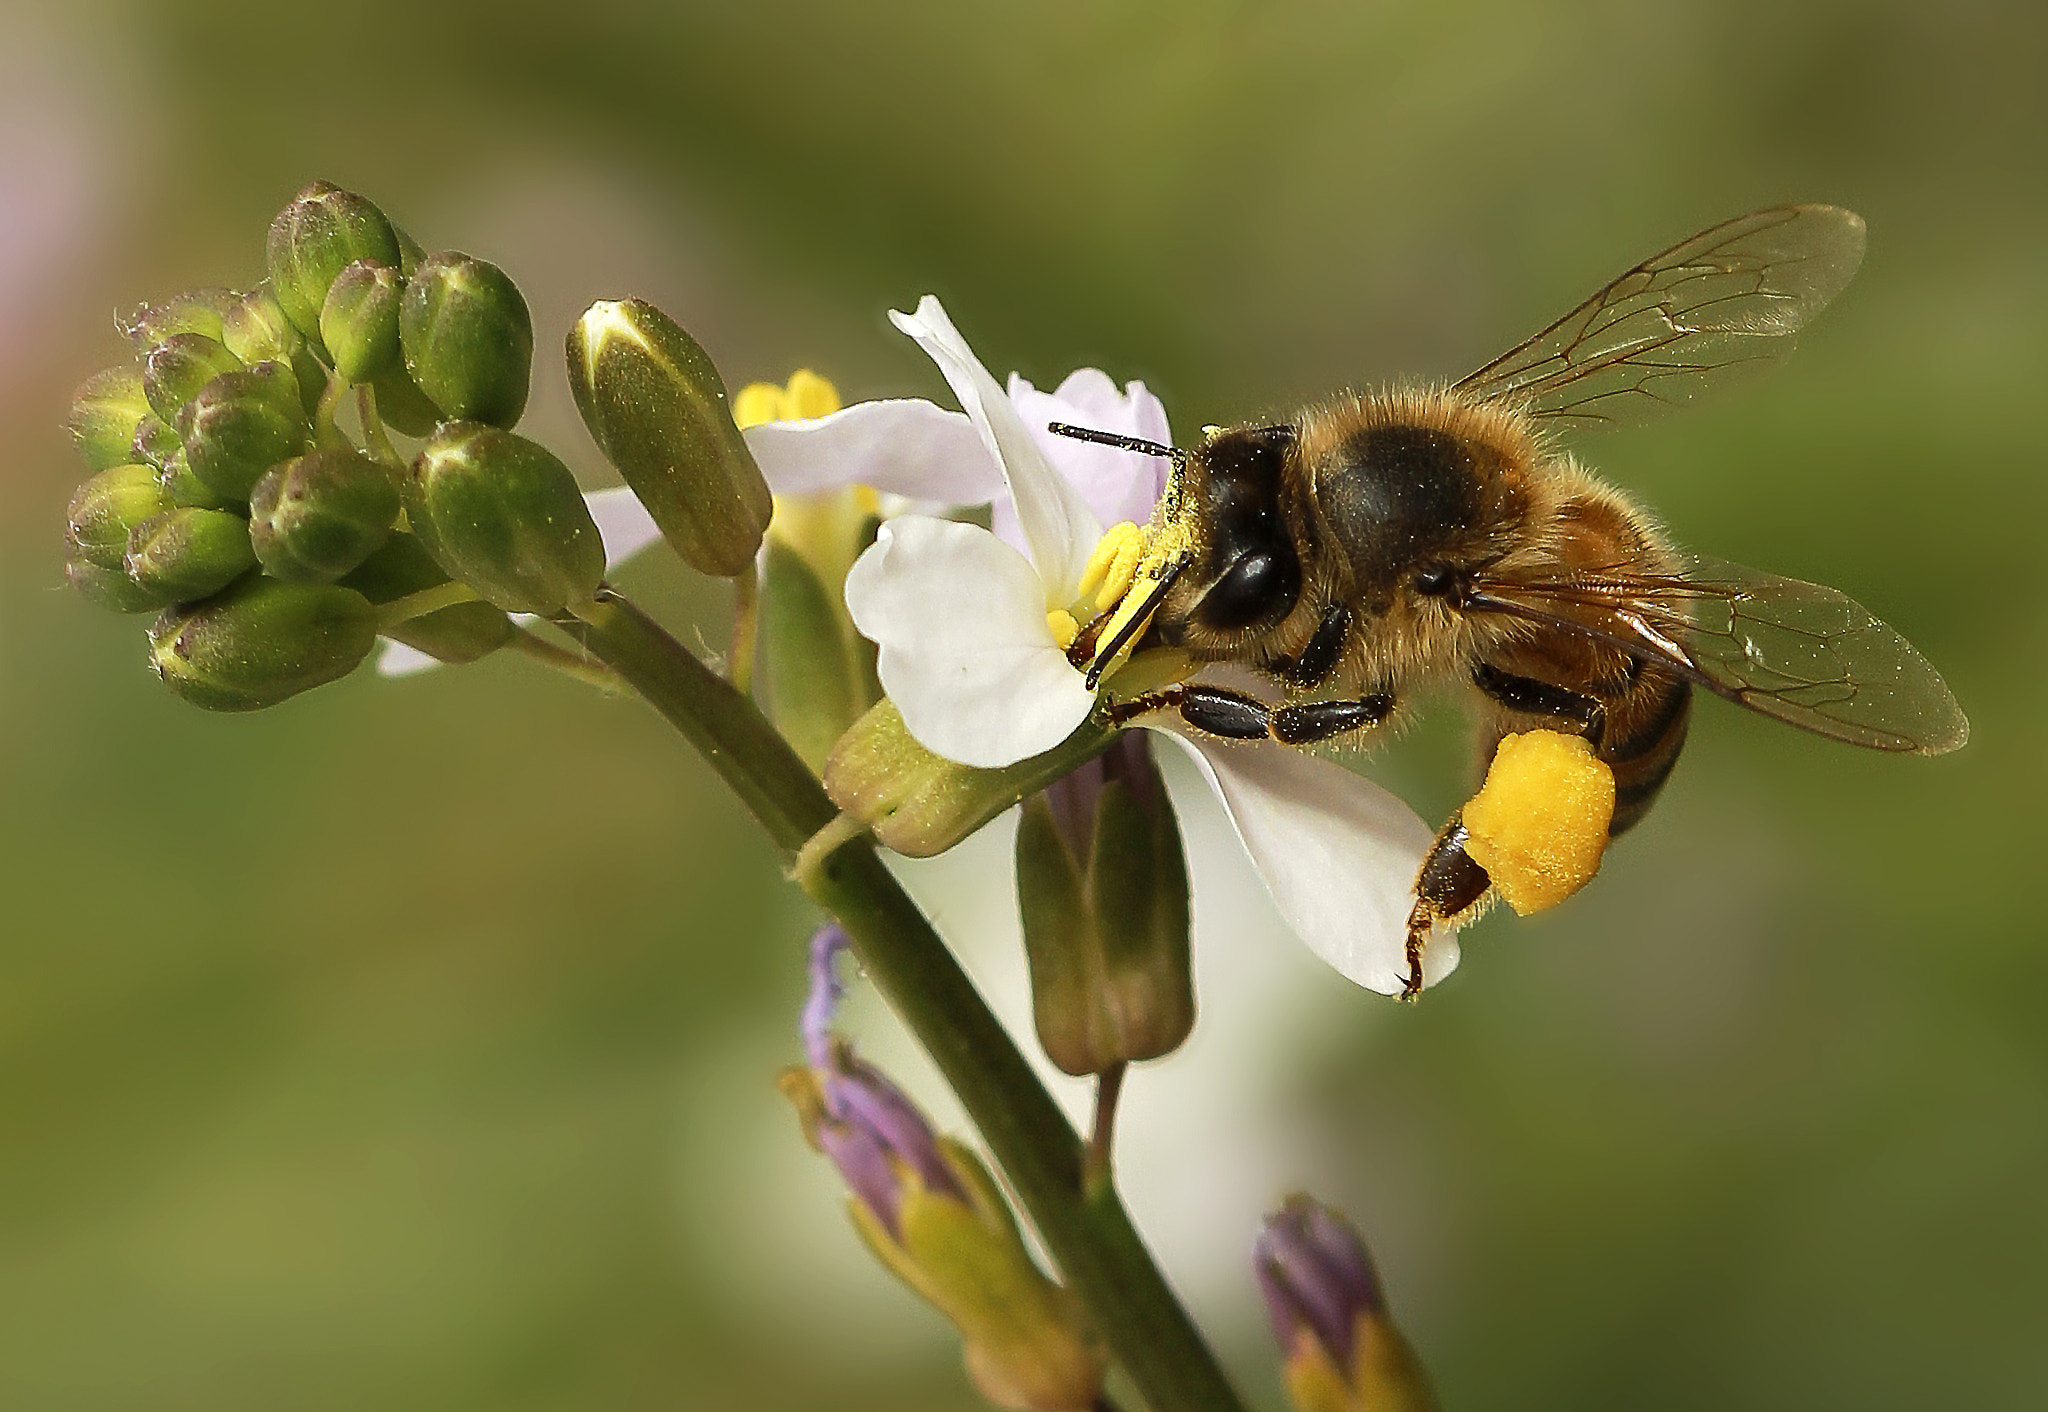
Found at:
(1246, 572)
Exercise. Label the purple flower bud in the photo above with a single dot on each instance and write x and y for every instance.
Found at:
(868, 1127)
(1315, 1274)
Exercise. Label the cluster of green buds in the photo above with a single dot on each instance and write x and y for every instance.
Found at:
(930, 1211)
(228, 497)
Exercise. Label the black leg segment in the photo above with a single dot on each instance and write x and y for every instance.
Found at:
(1540, 698)
(1312, 721)
(1449, 885)
(1325, 645)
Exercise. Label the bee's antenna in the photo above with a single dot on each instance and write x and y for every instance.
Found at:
(1134, 624)
(1121, 442)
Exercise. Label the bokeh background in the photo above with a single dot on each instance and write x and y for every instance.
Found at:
(410, 1046)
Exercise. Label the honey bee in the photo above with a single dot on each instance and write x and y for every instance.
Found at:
(1381, 544)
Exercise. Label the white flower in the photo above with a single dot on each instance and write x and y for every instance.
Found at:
(972, 660)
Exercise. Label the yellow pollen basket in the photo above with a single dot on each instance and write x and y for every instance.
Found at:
(1539, 823)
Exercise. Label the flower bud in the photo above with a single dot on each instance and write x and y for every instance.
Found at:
(312, 239)
(1343, 1352)
(359, 321)
(468, 339)
(657, 409)
(400, 403)
(187, 553)
(194, 311)
(503, 515)
(240, 425)
(256, 331)
(929, 1211)
(155, 443)
(261, 642)
(820, 674)
(461, 633)
(104, 412)
(1103, 889)
(919, 803)
(184, 488)
(315, 517)
(175, 370)
(105, 508)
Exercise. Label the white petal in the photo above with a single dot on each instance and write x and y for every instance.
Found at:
(901, 446)
(1117, 484)
(1338, 853)
(965, 651)
(622, 523)
(399, 660)
(1058, 525)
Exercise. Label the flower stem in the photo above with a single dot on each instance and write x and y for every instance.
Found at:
(1085, 1227)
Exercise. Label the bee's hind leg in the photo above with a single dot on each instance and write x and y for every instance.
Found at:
(1450, 887)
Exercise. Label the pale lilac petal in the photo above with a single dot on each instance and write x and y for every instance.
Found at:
(966, 654)
(1338, 853)
(900, 446)
(622, 523)
(1118, 485)
(398, 660)
(1058, 525)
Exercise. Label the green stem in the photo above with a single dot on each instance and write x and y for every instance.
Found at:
(374, 435)
(418, 605)
(1089, 1233)
(569, 664)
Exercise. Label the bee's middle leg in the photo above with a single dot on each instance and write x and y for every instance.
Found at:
(1235, 715)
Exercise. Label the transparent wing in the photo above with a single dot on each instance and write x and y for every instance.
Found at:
(1797, 652)
(1724, 302)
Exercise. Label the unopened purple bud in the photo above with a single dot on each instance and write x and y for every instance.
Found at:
(1315, 1274)
(864, 1123)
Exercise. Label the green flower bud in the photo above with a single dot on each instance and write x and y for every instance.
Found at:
(400, 403)
(819, 673)
(104, 412)
(184, 488)
(241, 424)
(255, 329)
(175, 370)
(461, 633)
(197, 311)
(105, 508)
(921, 804)
(111, 589)
(188, 553)
(503, 515)
(467, 339)
(1102, 886)
(657, 409)
(359, 321)
(410, 253)
(155, 443)
(261, 642)
(323, 230)
(316, 517)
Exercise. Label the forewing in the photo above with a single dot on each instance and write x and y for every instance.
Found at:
(1798, 652)
(1724, 302)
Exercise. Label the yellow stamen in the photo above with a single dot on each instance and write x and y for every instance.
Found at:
(808, 396)
(1115, 556)
(1128, 610)
(758, 403)
(1064, 628)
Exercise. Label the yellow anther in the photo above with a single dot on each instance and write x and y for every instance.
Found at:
(1064, 628)
(1127, 612)
(1122, 573)
(808, 396)
(1113, 560)
(756, 403)
(867, 499)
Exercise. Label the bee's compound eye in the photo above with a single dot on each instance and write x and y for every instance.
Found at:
(1260, 586)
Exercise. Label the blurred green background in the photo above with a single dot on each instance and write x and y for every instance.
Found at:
(410, 1046)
